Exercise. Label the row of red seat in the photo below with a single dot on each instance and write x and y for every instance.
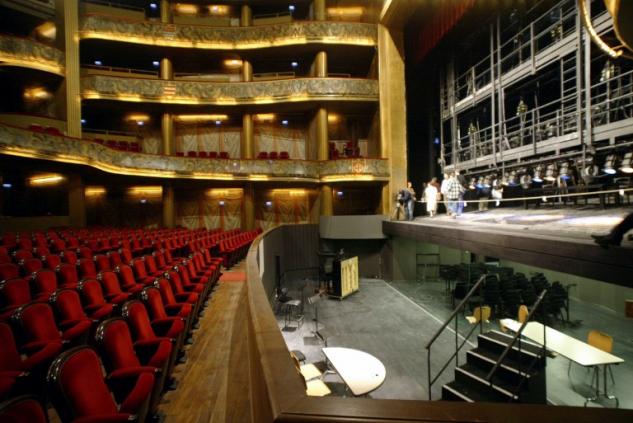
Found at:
(159, 298)
(205, 154)
(283, 155)
(134, 147)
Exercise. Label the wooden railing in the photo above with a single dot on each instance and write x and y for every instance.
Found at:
(275, 391)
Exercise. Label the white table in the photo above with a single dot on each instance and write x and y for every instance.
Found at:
(361, 372)
(571, 348)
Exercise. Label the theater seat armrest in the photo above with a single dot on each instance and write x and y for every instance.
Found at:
(108, 418)
(131, 372)
(139, 394)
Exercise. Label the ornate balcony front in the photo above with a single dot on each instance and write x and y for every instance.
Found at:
(24, 143)
(27, 53)
(227, 38)
(216, 93)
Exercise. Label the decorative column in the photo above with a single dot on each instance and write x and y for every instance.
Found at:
(320, 12)
(166, 16)
(76, 201)
(248, 137)
(167, 121)
(320, 64)
(68, 19)
(321, 134)
(248, 216)
(327, 208)
(393, 124)
(169, 206)
(246, 16)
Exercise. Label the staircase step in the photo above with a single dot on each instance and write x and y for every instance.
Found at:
(456, 391)
(497, 342)
(508, 370)
(473, 376)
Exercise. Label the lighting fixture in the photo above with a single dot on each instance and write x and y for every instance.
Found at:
(350, 12)
(291, 7)
(609, 165)
(218, 122)
(156, 63)
(551, 173)
(218, 10)
(269, 203)
(83, 121)
(37, 94)
(333, 118)
(294, 64)
(153, 6)
(436, 141)
(265, 117)
(627, 163)
(200, 118)
(138, 118)
(143, 200)
(98, 62)
(47, 30)
(339, 194)
(94, 191)
(186, 9)
(50, 179)
(538, 174)
(145, 190)
(6, 185)
(221, 203)
(284, 122)
(232, 63)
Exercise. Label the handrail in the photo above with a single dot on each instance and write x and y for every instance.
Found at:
(115, 4)
(516, 336)
(458, 347)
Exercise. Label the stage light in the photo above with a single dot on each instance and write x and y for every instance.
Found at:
(627, 163)
(153, 6)
(294, 64)
(284, 122)
(609, 165)
(291, 8)
(83, 121)
(98, 62)
(156, 63)
(6, 185)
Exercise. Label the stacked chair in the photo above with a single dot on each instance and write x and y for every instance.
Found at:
(76, 301)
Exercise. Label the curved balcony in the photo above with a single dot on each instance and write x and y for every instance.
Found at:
(217, 93)
(24, 143)
(27, 53)
(227, 38)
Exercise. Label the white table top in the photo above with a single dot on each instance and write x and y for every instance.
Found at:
(575, 350)
(361, 372)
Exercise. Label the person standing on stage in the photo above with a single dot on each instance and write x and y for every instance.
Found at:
(411, 202)
(462, 181)
(454, 191)
(617, 233)
(443, 191)
(430, 197)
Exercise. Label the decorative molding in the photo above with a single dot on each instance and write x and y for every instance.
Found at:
(27, 53)
(24, 143)
(228, 38)
(228, 93)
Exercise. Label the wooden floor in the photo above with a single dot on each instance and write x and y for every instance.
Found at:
(206, 387)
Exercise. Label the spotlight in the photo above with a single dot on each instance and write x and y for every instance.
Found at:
(83, 121)
(291, 8)
(436, 141)
(564, 171)
(609, 165)
(294, 64)
(156, 63)
(627, 163)
(551, 173)
(153, 6)
(284, 122)
(143, 200)
(538, 174)
(6, 185)
(98, 62)
(339, 194)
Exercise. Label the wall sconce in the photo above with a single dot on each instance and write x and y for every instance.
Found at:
(49, 179)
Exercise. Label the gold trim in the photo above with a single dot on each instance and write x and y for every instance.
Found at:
(228, 93)
(227, 38)
(26, 53)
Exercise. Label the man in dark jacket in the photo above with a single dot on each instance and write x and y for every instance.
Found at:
(459, 174)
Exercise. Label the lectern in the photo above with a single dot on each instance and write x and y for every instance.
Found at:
(345, 278)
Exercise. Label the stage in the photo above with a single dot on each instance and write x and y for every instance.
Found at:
(552, 238)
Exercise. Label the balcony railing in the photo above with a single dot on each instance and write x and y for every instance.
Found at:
(22, 142)
(28, 53)
(227, 38)
(218, 93)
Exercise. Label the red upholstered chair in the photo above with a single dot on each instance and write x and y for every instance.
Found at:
(112, 289)
(170, 298)
(126, 255)
(176, 283)
(180, 154)
(69, 256)
(36, 128)
(51, 261)
(103, 262)
(262, 155)
(93, 300)
(127, 280)
(135, 147)
(157, 309)
(9, 271)
(140, 272)
(70, 312)
(72, 242)
(45, 283)
(36, 325)
(123, 145)
(192, 154)
(213, 154)
(79, 391)
(5, 258)
(22, 254)
(25, 244)
(223, 155)
(85, 252)
(58, 245)
(13, 294)
(23, 373)
(115, 259)
(52, 131)
(87, 268)
(173, 328)
(284, 155)
(111, 144)
(272, 155)
(203, 154)
(159, 259)
(122, 356)
(41, 251)
(68, 276)
(23, 409)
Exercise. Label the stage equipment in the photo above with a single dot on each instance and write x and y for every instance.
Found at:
(621, 12)
(610, 164)
(551, 173)
(627, 163)
(564, 171)
(538, 174)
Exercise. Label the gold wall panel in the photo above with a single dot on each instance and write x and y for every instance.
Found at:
(227, 93)
(24, 143)
(228, 38)
(23, 52)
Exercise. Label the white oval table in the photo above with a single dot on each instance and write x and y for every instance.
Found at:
(361, 372)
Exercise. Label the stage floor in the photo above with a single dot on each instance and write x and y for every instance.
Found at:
(570, 223)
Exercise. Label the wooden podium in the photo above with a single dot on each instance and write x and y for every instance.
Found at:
(345, 281)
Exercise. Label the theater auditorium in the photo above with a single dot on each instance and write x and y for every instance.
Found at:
(316, 211)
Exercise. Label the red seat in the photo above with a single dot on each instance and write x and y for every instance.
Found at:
(192, 154)
(22, 254)
(127, 279)
(87, 268)
(202, 154)
(52, 261)
(36, 128)
(78, 389)
(68, 277)
(126, 255)
(115, 259)
(140, 272)
(69, 256)
(52, 131)
(94, 302)
(85, 252)
(111, 144)
(121, 356)
(223, 155)
(36, 324)
(180, 154)
(103, 262)
(13, 294)
(70, 312)
(272, 155)
(262, 155)
(23, 409)
(123, 145)
(5, 258)
(213, 154)
(9, 271)
(112, 289)
(152, 299)
(284, 155)
(171, 299)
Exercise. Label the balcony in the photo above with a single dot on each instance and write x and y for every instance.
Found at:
(227, 38)
(27, 53)
(236, 93)
(25, 143)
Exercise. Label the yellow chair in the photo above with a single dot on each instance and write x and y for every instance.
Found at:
(523, 313)
(603, 342)
(310, 376)
(479, 313)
